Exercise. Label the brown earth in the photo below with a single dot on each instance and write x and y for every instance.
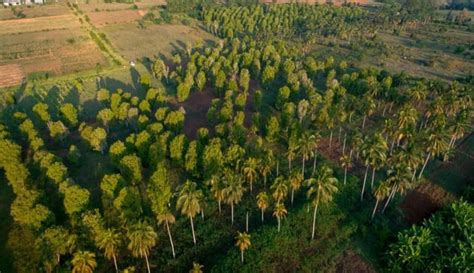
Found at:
(196, 107)
(352, 262)
(11, 75)
(423, 201)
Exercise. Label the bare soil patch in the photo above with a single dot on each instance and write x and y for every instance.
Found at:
(196, 107)
(423, 201)
(47, 23)
(11, 75)
(351, 262)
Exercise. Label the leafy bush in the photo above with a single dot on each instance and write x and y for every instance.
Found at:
(443, 243)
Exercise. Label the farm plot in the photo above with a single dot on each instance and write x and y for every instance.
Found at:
(48, 23)
(6, 14)
(103, 18)
(133, 42)
(11, 75)
(95, 6)
(33, 11)
(53, 44)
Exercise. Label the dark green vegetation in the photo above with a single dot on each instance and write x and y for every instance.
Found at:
(442, 242)
(298, 159)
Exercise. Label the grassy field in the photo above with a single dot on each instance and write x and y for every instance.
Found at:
(52, 9)
(133, 42)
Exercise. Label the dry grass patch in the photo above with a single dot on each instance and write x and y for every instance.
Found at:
(38, 24)
(134, 42)
(103, 18)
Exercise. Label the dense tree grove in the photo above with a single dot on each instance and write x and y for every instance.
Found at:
(165, 193)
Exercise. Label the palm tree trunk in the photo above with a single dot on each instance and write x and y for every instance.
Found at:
(424, 166)
(147, 264)
(115, 263)
(264, 181)
(242, 255)
(292, 195)
(278, 167)
(375, 209)
(279, 223)
(192, 228)
(247, 222)
(314, 219)
(302, 168)
(251, 188)
(219, 204)
(389, 198)
(232, 212)
(340, 132)
(363, 122)
(391, 146)
(384, 109)
(363, 185)
(202, 214)
(314, 161)
(373, 178)
(263, 213)
(330, 139)
(344, 144)
(345, 175)
(414, 175)
(171, 239)
(289, 165)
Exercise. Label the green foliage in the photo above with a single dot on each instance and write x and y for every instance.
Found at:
(69, 113)
(131, 168)
(442, 242)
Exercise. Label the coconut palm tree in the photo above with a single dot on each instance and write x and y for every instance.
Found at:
(399, 180)
(346, 163)
(250, 170)
(197, 268)
(142, 238)
(368, 108)
(167, 218)
(321, 190)
(262, 202)
(243, 243)
(233, 190)
(296, 179)
(83, 262)
(381, 192)
(306, 146)
(315, 143)
(189, 202)
(109, 241)
(280, 189)
(266, 166)
(279, 212)
(374, 153)
(217, 186)
(291, 151)
(435, 145)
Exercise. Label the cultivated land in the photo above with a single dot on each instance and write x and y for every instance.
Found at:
(51, 41)
(56, 39)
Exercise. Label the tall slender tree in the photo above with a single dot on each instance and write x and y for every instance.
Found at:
(262, 202)
(279, 212)
(83, 262)
(189, 202)
(243, 243)
(109, 241)
(233, 190)
(321, 190)
(142, 238)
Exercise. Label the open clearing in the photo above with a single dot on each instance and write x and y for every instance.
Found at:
(103, 18)
(53, 9)
(53, 44)
(134, 42)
